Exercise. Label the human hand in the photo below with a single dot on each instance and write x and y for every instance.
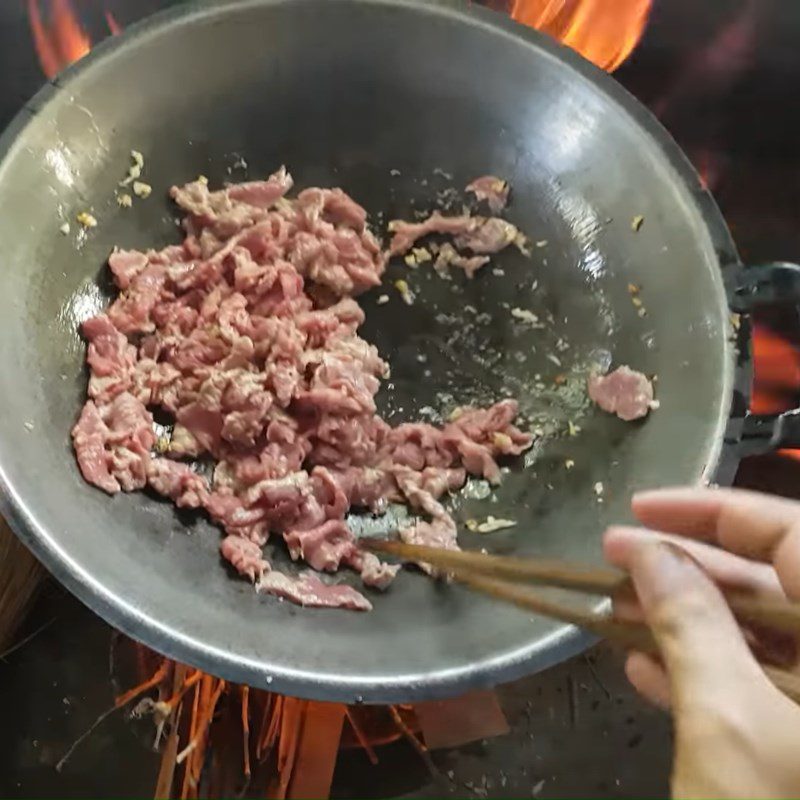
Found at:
(736, 735)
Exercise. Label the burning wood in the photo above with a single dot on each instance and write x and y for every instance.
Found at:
(222, 736)
(219, 739)
(20, 577)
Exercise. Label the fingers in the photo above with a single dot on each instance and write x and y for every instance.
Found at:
(727, 569)
(752, 525)
(746, 523)
(700, 642)
(649, 678)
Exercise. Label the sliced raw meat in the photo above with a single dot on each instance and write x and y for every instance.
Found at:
(245, 339)
(448, 257)
(89, 438)
(126, 265)
(112, 444)
(481, 235)
(488, 236)
(406, 234)
(440, 532)
(493, 190)
(309, 591)
(324, 547)
(245, 557)
(262, 194)
(624, 392)
(178, 482)
(111, 359)
(376, 573)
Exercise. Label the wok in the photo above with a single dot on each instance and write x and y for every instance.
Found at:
(344, 92)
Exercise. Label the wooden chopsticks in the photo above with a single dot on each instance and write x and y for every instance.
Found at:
(504, 577)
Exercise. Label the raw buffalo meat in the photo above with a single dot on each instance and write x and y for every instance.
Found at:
(245, 337)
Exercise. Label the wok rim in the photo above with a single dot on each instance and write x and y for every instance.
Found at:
(566, 641)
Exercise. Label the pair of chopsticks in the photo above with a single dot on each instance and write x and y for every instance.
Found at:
(504, 577)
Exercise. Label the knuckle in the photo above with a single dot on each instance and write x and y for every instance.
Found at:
(671, 614)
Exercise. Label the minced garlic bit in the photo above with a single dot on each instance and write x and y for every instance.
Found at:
(383, 300)
(422, 255)
(405, 292)
(411, 260)
(525, 315)
(135, 169)
(542, 243)
(520, 241)
(162, 444)
(492, 524)
(65, 229)
(634, 289)
(28, 426)
(569, 463)
(599, 490)
(202, 179)
(143, 190)
(86, 219)
(573, 429)
(636, 223)
(501, 440)
(124, 200)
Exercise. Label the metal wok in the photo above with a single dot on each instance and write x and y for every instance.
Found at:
(343, 92)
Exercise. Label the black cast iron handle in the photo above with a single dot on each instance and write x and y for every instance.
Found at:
(752, 288)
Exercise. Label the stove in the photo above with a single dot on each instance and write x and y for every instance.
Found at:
(720, 75)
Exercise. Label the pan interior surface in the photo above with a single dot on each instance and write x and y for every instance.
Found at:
(394, 102)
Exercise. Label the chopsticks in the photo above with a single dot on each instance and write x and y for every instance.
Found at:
(502, 577)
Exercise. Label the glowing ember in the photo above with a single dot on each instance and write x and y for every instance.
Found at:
(604, 31)
(776, 379)
(217, 738)
(286, 745)
(776, 376)
(61, 39)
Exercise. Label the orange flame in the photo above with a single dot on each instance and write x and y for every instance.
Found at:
(776, 372)
(62, 40)
(776, 376)
(604, 31)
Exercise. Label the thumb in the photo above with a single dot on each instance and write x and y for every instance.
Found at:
(701, 644)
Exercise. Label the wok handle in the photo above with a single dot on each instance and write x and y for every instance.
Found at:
(772, 284)
(756, 287)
